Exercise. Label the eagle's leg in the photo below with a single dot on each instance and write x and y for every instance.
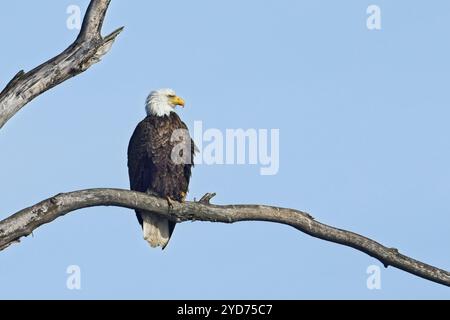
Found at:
(169, 203)
(183, 196)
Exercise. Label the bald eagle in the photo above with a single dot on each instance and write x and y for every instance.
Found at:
(160, 159)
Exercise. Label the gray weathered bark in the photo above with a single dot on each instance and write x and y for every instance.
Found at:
(87, 49)
(25, 221)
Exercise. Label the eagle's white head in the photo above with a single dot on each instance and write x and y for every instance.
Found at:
(162, 102)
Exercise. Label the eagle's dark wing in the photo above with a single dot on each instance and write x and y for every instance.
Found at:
(188, 166)
(140, 164)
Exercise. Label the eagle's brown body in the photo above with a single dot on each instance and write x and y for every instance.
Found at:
(152, 168)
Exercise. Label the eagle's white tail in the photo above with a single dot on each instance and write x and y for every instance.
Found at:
(156, 230)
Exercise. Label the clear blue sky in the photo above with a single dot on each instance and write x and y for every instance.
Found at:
(364, 145)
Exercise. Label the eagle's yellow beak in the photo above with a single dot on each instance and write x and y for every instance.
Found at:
(177, 101)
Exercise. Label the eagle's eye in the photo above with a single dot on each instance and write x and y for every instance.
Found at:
(171, 96)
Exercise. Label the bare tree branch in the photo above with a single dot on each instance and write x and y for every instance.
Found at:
(87, 49)
(25, 221)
